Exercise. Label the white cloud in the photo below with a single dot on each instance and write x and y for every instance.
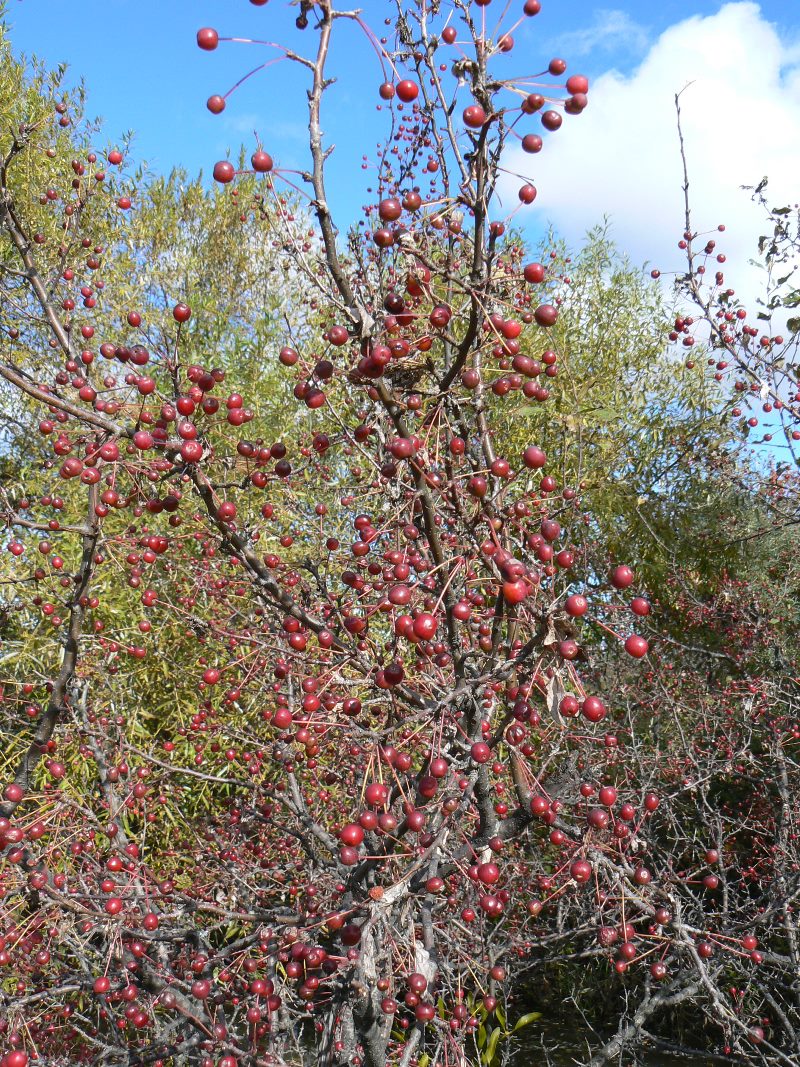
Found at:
(620, 158)
(611, 28)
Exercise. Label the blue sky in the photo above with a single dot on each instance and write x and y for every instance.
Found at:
(740, 61)
(144, 72)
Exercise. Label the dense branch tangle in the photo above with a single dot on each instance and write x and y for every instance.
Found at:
(352, 798)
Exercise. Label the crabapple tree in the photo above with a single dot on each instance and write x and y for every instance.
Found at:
(313, 742)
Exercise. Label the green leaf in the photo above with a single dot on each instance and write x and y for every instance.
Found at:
(499, 1014)
(491, 1049)
(423, 1060)
(572, 422)
(526, 1020)
(601, 415)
